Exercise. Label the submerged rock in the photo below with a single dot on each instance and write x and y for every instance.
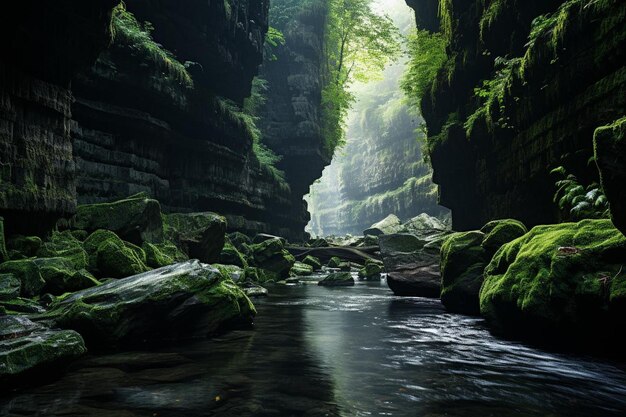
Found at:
(26, 347)
(388, 225)
(200, 235)
(464, 257)
(184, 300)
(337, 279)
(412, 264)
(136, 219)
(559, 281)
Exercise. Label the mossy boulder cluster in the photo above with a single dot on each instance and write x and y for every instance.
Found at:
(464, 257)
(118, 274)
(563, 281)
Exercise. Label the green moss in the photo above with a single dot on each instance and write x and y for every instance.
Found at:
(9, 286)
(136, 219)
(300, 269)
(28, 273)
(141, 254)
(337, 279)
(499, 232)
(93, 242)
(65, 245)
(61, 276)
(117, 261)
(334, 262)
(556, 278)
(370, 271)
(170, 250)
(230, 255)
(25, 245)
(155, 258)
(137, 38)
(313, 262)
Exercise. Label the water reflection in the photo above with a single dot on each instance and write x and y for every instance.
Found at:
(346, 352)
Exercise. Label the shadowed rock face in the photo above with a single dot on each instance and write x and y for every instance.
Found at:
(566, 89)
(43, 46)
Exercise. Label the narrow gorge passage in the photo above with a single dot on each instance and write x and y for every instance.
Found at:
(340, 208)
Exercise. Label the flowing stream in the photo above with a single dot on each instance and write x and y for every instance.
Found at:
(350, 351)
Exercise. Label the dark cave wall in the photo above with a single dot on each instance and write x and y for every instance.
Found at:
(44, 44)
(560, 93)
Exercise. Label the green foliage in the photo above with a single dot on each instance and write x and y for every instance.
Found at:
(427, 55)
(273, 39)
(358, 45)
(576, 201)
(137, 37)
(491, 95)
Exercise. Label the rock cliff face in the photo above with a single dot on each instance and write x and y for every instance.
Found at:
(136, 130)
(561, 78)
(290, 118)
(43, 46)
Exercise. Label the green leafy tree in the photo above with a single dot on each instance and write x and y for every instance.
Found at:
(427, 54)
(359, 44)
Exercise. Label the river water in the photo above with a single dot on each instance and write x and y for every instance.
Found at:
(350, 351)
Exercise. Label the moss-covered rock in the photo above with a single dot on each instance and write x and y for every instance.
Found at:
(238, 239)
(230, 255)
(463, 261)
(155, 258)
(21, 305)
(65, 245)
(259, 275)
(313, 262)
(61, 276)
(25, 245)
(115, 260)
(337, 279)
(464, 257)
(4, 256)
(499, 232)
(558, 280)
(28, 273)
(28, 347)
(271, 256)
(136, 219)
(389, 225)
(610, 154)
(334, 262)
(300, 269)
(9, 286)
(371, 271)
(175, 302)
(199, 235)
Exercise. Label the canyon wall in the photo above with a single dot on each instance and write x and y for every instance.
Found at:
(43, 45)
(290, 119)
(557, 80)
(92, 110)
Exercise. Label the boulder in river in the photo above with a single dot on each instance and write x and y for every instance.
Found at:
(27, 347)
(388, 225)
(465, 255)
(371, 271)
(412, 264)
(563, 281)
(199, 235)
(136, 219)
(337, 279)
(313, 262)
(300, 269)
(271, 256)
(184, 300)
